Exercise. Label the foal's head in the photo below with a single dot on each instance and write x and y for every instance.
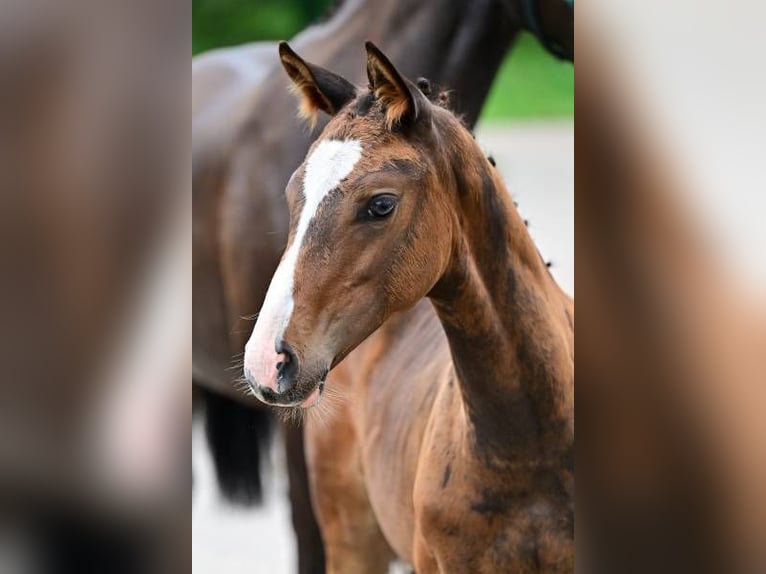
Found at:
(372, 219)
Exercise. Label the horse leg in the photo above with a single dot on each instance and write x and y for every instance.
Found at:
(311, 557)
(238, 437)
(352, 536)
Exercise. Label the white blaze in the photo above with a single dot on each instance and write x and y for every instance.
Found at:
(329, 163)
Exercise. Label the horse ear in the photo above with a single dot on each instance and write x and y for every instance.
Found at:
(320, 89)
(397, 95)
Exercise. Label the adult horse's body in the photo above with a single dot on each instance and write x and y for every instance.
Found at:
(455, 449)
(246, 144)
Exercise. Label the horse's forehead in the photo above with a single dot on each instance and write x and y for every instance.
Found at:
(329, 162)
(355, 147)
(347, 126)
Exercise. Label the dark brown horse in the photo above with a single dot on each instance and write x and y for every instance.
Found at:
(455, 449)
(246, 145)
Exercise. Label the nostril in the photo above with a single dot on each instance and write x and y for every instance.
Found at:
(284, 364)
(287, 367)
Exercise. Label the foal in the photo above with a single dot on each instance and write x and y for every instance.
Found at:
(456, 452)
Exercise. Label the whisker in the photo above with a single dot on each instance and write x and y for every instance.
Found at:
(328, 408)
(237, 361)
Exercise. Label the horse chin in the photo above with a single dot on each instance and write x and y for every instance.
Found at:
(291, 400)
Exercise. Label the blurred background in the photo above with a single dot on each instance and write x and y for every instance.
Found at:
(530, 84)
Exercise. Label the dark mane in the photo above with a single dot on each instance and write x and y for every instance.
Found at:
(437, 95)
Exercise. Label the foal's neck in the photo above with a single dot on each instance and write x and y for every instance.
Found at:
(509, 325)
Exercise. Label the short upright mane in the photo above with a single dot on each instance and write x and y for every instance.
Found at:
(439, 96)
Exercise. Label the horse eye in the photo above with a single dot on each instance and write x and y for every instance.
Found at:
(381, 206)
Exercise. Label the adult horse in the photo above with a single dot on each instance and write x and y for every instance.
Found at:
(456, 448)
(245, 146)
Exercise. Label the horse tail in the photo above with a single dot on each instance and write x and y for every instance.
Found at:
(239, 437)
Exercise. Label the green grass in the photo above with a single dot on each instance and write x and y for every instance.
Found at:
(531, 84)
(235, 22)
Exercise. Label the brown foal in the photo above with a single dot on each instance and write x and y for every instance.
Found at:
(455, 448)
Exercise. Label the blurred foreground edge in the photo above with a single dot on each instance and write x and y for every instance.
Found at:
(671, 380)
(95, 295)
